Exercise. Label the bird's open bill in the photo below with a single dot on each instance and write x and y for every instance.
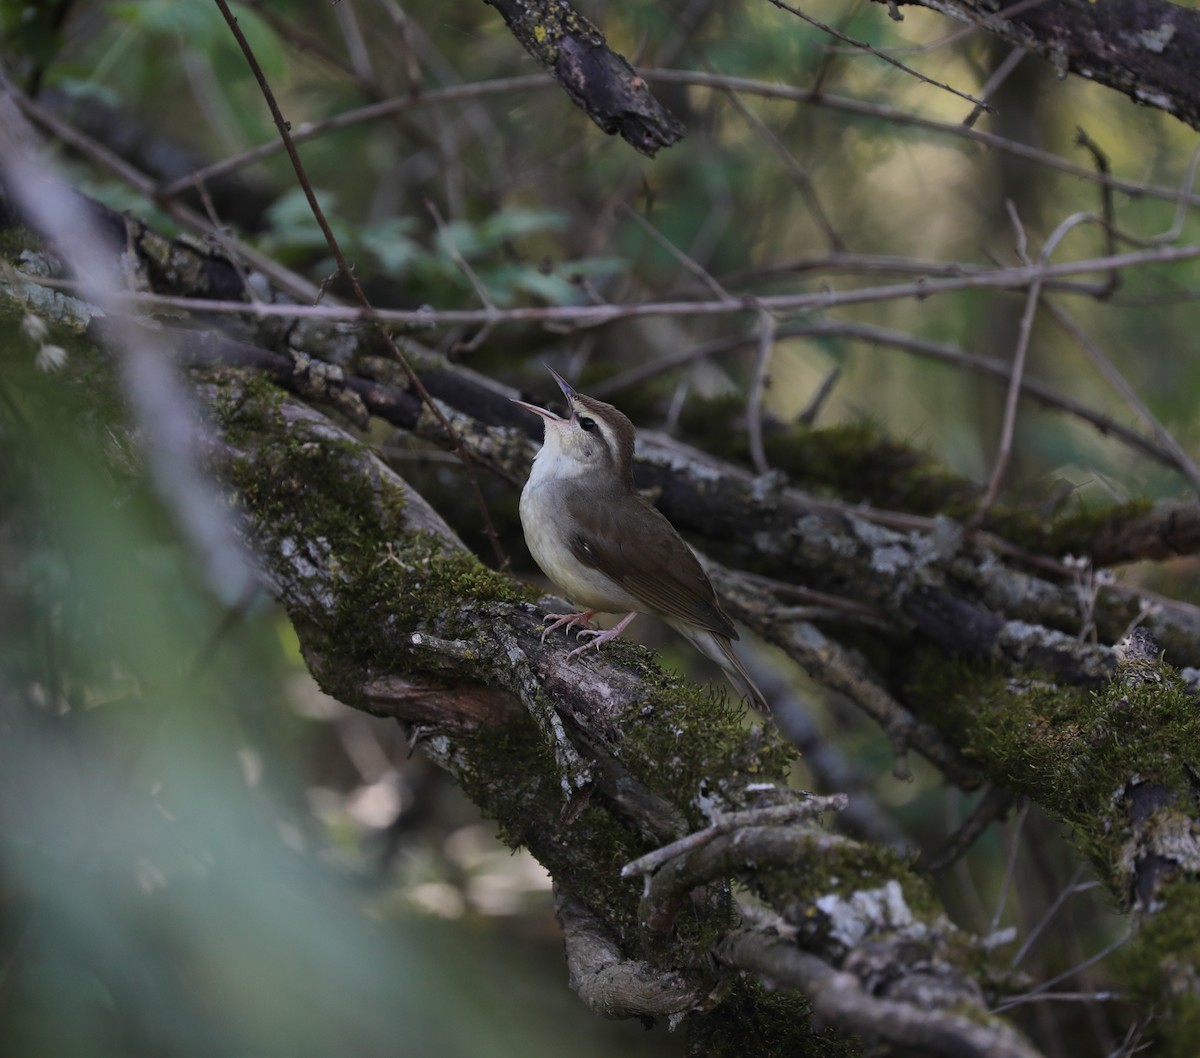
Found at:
(568, 392)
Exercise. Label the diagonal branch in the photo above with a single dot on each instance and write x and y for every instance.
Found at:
(600, 81)
(1147, 49)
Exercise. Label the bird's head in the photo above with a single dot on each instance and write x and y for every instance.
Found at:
(595, 438)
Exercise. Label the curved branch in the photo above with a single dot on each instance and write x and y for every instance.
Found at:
(609, 983)
(840, 999)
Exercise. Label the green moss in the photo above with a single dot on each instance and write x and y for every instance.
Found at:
(1074, 532)
(754, 1021)
(859, 463)
(693, 733)
(843, 871)
(854, 460)
(514, 773)
(309, 490)
(1072, 751)
(1158, 969)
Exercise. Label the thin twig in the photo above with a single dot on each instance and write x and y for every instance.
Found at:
(1048, 984)
(1010, 867)
(457, 257)
(587, 316)
(1032, 300)
(999, 76)
(697, 269)
(758, 386)
(954, 36)
(1073, 888)
(220, 236)
(356, 46)
(812, 409)
(1107, 210)
(943, 352)
(795, 170)
(1008, 426)
(305, 131)
(895, 116)
(1179, 456)
(348, 273)
(864, 46)
(745, 85)
(993, 806)
(288, 281)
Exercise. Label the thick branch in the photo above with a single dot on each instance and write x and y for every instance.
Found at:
(395, 617)
(601, 82)
(1147, 49)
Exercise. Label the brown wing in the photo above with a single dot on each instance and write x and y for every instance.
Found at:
(646, 557)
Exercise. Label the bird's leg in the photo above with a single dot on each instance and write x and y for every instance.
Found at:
(568, 619)
(603, 637)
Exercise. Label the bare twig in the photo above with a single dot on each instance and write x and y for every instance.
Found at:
(999, 76)
(1072, 889)
(457, 257)
(795, 170)
(348, 273)
(1045, 986)
(812, 409)
(1010, 866)
(758, 386)
(295, 285)
(870, 50)
(1008, 427)
(1032, 300)
(697, 269)
(993, 806)
(744, 85)
(1179, 456)
(1012, 278)
(894, 115)
(1107, 210)
(945, 352)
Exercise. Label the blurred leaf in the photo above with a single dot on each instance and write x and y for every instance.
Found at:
(514, 223)
(389, 243)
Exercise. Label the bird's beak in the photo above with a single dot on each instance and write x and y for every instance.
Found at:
(549, 416)
(568, 392)
(563, 384)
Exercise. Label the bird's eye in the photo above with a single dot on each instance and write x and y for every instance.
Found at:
(587, 424)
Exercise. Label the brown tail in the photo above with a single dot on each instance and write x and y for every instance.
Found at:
(720, 649)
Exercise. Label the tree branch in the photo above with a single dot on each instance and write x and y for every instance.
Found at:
(1147, 49)
(601, 82)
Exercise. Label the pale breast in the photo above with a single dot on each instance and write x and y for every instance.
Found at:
(542, 517)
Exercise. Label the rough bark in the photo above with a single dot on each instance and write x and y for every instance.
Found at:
(1147, 49)
(599, 81)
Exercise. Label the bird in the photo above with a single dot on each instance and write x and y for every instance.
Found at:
(609, 550)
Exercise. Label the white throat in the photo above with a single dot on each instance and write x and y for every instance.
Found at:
(553, 464)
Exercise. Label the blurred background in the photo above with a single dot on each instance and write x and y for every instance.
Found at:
(199, 852)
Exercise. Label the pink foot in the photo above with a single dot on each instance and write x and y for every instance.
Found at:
(568, 619)
(602, 637)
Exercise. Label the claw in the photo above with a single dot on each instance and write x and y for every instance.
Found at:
(601, 637)
(568, 619)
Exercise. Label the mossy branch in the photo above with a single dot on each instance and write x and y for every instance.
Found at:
(396, 617)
